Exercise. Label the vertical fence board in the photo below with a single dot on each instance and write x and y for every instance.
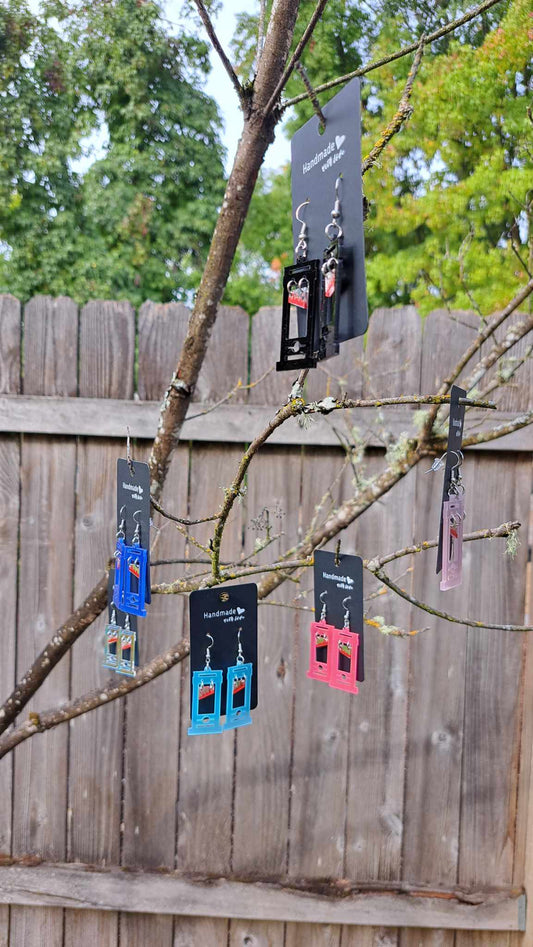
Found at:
(320, 745)
(493, 667)
(152, 732)
(257, 934)
(275, 387)
(206, 771)
(161, 331)
(370, 937)
(420, 937)
(435, 736)
(262, 782)
(378, 718)
(10, 333)
(200, 930)
(313, 935)
(226, 361)
(48, 470)
(106, 371)
(206, 762)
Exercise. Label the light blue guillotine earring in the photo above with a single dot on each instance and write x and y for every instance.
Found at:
(206, 684)
(239, 691)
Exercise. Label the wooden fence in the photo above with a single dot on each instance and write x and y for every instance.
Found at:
(400, 815)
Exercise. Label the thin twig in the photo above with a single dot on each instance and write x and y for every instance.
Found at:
(498, 531)
(440, 614)
(312, 96)
(261, 29)
(182, 586)
(501, 430)
(332, 404)
(404, 51)
(181, 519)
(403, 113)
(210, 30)
(308, 32)
(238, 387)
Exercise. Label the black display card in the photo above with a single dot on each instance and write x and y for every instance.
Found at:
(341, 577)
(133, 497)
(455, 440)
(221, 612)
(316, 163)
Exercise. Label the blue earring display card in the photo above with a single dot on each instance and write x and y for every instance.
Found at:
(223, 622)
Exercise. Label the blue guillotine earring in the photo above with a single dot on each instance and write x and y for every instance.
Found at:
(206, 694)
(133, 569)
(112, 632)
(239, 691)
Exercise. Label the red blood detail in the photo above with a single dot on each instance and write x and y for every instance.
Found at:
(329, 283)
(298, 297)
(205, 691)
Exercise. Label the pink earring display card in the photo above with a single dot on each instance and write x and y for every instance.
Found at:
(338, 583)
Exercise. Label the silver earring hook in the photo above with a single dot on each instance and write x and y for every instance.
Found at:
(137, 532)
(334, 230)
(298, 209)
(240, 657)
(208, 652)
(346, 611)
(323, 612)
(301, 247)
(120, 531)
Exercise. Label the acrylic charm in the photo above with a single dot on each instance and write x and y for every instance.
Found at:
(320, 643)
(343, 656)
(453, 512)
(126, 650)
(206, 696)
(300, 307)
(239, 692)
(131, 562)
(112, 632)
(328, 325)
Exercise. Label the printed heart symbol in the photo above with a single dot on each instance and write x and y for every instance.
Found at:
(240, 611)
(339, 140)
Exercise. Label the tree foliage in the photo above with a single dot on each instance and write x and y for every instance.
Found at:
(451, 199)
(137, 223)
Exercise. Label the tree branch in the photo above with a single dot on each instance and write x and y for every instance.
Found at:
(376, 64)
(440, 614)
(500, 431)
(60, 643)
(403, 113)
(498, 531)
(216, 44)
(181, 519)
